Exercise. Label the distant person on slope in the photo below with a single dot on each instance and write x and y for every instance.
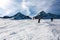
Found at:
(51, 19)
(38, 20)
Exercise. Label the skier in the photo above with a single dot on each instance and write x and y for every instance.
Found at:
(51, 19)
(38, 20)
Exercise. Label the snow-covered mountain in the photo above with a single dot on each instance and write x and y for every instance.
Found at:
(18, 16)
(45, 15)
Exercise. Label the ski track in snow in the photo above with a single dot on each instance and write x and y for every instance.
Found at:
(29, 30)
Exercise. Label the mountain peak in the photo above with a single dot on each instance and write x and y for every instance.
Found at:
(20, 16)
(45, 15)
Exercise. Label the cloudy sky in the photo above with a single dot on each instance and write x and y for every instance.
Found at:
(28, 7)
(55, 7)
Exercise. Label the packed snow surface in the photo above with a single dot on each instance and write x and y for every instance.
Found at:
(29, 29)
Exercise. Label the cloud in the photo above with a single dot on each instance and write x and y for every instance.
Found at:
(55, 7)
(8, 7)
(39, 5)
(31, 7)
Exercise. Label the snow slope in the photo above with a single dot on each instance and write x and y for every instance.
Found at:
(29, 29)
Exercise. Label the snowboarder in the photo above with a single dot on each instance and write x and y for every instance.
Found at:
(51, 19)
(38, 20)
